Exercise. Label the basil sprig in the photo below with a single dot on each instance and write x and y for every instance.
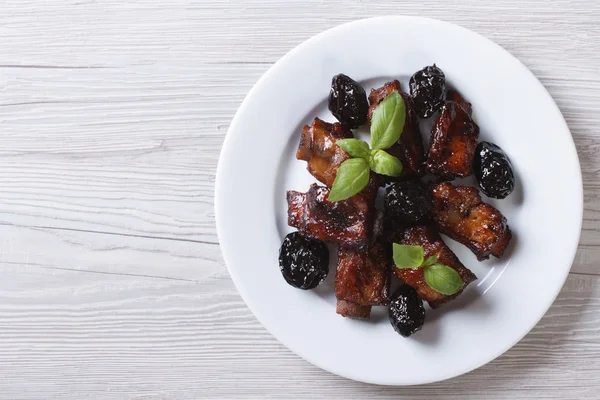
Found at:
(356, 148)
(351, 178)
(388, 121)
(387, 124)
(443, 279)
(439, 277)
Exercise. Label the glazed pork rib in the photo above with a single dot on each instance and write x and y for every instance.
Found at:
(453, 141)
(347, 223)
(377, 95)
(459, 213)
(432, 243)
(362, 280)
(353, 310)
(453, 95)
(409, 149)
(318, 148)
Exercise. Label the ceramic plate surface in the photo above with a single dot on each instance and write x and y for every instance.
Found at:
(258, 164)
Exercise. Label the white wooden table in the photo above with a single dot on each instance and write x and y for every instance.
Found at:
(112, 115)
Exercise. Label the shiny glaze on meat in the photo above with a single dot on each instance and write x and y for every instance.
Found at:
(318, 148)
(432, 243)
(362, 277)
(353, 310)
(409, 149)
(347, 222)
(452, 144)
(456, 97)
(377, 95)
(459, 212)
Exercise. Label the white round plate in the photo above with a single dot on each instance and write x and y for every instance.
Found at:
(258, 164)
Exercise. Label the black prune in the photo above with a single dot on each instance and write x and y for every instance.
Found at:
(428, 90)
(304, 262)
(410, 201)
(348, 101)
(493, 171)
(406, 311)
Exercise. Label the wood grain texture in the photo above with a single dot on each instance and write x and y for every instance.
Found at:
(112, 115)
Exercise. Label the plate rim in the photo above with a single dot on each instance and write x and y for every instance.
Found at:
(578, 196)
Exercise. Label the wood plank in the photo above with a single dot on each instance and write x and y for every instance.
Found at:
(135, 337)
(93, 34)
(23, 249)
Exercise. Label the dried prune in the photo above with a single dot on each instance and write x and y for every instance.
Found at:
(428, 90)
(348, 101)
(304, 262)
(408, 201)
(493, 170)
(406, 311)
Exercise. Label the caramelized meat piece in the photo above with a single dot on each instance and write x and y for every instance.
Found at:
(456, 97)
(353, 310)
(347, 222)
(459, 213)
(452, 144)
(362, 280)
(377, 95)
(317, 146)
(432, 243)
(362, 277)
(409, 149)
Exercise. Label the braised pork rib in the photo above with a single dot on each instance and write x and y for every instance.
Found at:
(362, 278)
(433, 245)
(318, 148)
(459, 212)
(347, 223)
(453, 141)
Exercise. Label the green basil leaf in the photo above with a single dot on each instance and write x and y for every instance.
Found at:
(407, 256)
(388, 121)
(430, 261)
(385, 164)
(443, 279)
(354, 147)
(352, 176)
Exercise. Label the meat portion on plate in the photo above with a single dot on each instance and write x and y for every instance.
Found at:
(409, 148)
(433, 245)
(459, 212)
(456, 97)
(453, 142)
(362, 278)
(347, 223)
(352, 310)
(377, 95)
(318, 148)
